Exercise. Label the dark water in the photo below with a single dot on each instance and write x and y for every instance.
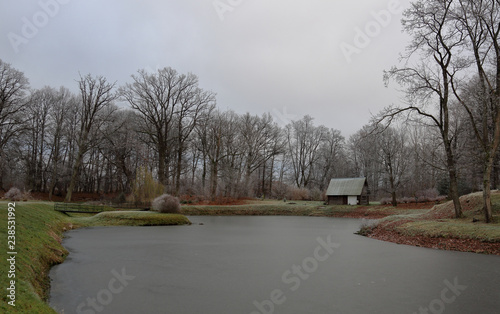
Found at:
(265, 265)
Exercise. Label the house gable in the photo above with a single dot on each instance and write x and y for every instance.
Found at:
(345, 191)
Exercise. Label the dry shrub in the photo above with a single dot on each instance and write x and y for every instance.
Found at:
(279, 190)
(367, 226)
(297, 194)
(385, 201)
(317, 195)
(167, 204)
(14, 194)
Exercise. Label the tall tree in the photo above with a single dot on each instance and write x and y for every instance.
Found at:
(97, 94)
(304, 141)
(169, 104)
(394, 155)
(428, 84)
(193, 103)
(37, 111)
(13, 88)
(59, 114)
(480, 21)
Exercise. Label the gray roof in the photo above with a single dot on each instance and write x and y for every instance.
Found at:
(346, 186)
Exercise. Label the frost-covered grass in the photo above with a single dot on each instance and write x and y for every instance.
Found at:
(438, 222)
(133, 218)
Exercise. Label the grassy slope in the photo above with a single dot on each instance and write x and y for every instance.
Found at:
(439, 222)
(299, 208)
(131, 218)
(38, 235)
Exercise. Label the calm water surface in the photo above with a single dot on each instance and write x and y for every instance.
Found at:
(265, 265)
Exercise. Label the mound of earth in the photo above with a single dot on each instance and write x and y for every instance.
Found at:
(472, 204)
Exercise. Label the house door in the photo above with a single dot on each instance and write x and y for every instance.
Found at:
(352, 200)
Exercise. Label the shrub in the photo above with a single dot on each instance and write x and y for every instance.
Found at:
(367, 226)
(317, 195)
(120, 199)
(385, 201)
(166, 203)
(297, 194)
(14, 194)
(145, 188)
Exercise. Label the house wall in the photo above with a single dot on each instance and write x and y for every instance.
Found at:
(364, 199)
(337, 200)
(351, 200)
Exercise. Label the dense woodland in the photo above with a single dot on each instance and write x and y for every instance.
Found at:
(52, 138)
(107, 138)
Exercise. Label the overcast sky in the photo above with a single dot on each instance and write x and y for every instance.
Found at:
(317, 57)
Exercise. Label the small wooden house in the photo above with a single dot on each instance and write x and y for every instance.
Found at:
(348, 191)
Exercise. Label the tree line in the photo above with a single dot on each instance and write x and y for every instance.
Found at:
(442, 140)
(55, 141)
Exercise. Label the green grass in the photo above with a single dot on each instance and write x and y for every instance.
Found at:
(452, 228)
(132, 218)
(295, 208)
(262, 210)
(39, 231)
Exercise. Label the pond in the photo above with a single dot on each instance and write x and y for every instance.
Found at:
(248, 264)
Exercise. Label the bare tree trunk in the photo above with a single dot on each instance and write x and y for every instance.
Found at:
(487, 207)
(452, 172)
(74, 176)
(213, 183)
(180, 151)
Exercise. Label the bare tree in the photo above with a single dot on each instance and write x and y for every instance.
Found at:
(13, 87)
(394, 155)
(97, 94)
(193, 103)
(259, 140)
(331, 163)
(37, 111)
(304, 141)
(480, 21)
(428, 84)
(216, 134)
(58, 115)
(169, 105)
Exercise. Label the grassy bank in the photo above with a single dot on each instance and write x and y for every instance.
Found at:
(299, 208)
(39, 231)
(437, 228)
(38, 236)
(132, 218)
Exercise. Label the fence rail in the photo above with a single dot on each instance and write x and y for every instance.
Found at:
(78, 208)
(144, 206)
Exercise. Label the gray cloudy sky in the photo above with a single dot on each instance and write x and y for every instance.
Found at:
(317, 57)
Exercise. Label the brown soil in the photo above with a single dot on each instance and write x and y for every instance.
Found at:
(462, 245)
(96, 197)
